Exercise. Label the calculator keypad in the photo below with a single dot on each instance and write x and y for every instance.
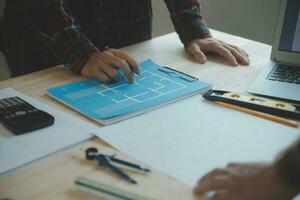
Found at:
(14, 107)
(20, 117)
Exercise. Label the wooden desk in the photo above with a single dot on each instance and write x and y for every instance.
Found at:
(52, 177)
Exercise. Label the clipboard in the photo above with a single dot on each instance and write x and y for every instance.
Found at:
(110, 103)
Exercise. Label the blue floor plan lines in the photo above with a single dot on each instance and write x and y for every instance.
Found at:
(103, 101)
(138, 91)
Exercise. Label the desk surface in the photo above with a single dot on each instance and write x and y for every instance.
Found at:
(52, 177)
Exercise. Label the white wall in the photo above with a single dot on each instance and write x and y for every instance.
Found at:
(253, 19)
(161, 18)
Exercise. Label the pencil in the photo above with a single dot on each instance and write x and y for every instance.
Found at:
(260, 114)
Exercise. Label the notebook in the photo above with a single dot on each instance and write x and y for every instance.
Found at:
(111, 103)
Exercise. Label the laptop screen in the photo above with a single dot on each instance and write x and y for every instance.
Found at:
(290, 36)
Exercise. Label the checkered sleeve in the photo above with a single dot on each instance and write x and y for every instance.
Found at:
(288, 166)
(59, 31)
(188, 20)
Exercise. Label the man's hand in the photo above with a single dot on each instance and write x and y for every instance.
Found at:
(105, 66)
(244, 182)
(198, 47)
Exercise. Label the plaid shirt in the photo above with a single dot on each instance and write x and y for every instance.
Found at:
(69, 31)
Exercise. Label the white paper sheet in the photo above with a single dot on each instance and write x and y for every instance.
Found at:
(191, 137)
(16, 151)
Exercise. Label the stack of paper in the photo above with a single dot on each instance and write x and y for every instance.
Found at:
(16, 151)
(191, 137)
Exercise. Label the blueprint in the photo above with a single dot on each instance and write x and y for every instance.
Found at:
(103, 101)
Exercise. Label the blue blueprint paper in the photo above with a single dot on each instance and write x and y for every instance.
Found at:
(104, 101)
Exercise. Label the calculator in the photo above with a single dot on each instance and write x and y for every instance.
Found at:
(20, 117)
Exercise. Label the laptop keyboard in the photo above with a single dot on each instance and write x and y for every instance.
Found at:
(283, 73)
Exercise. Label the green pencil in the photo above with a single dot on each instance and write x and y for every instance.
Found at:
(103, 190)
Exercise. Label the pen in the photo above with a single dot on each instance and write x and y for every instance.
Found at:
(260, 114)
(177, 73)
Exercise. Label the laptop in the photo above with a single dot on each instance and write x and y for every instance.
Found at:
(280, 78)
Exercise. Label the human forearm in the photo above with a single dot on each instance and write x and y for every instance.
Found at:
(188, 20)
(58, 30)
(194, 33)
(288, 166)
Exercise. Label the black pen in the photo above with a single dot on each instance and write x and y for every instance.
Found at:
(178, 74)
